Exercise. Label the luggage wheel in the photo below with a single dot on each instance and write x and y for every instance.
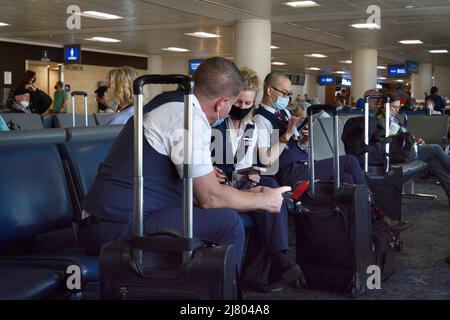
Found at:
(357, 287)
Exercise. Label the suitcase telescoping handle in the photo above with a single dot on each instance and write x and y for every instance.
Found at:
(188, 87)
(84, 94)
(337, 178)
(387, 132)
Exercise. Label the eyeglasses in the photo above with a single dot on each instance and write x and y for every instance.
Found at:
(284, 93)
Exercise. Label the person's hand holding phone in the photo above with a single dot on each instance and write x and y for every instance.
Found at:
(253, 176)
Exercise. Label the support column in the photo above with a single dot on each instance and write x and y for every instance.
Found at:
(421, 82)
(154, 66)
(252, 46)
(364, 71)
(311, 86)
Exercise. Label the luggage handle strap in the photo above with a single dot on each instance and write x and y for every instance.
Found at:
(188, 86)
(387, 133)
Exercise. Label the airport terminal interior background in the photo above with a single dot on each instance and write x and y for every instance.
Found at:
(351, 44)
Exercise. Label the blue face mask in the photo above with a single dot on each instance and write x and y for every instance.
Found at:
(281, 103)
(218, 122)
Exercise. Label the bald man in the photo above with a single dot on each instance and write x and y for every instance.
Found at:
(286, 158)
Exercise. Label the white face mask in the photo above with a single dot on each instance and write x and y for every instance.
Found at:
(25, 104)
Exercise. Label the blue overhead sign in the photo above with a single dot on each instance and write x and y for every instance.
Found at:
(326, 80)
(193, 65)
(72, 54)
(397, 71)
(412, 66)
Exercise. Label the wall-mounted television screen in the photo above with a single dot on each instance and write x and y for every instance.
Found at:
(326, 80)
(297, 79)
(397, 71)
(193, 65)
(72, 54)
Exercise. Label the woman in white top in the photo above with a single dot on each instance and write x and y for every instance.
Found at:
(234, 157)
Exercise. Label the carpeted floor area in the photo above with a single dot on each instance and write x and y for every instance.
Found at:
(421, 270)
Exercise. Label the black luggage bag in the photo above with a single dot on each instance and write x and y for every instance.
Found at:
(166, 265)
(333, 228)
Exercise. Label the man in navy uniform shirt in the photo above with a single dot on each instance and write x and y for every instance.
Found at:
(217, 85)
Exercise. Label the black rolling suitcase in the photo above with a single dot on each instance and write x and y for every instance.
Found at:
(165, 265)
(333, 228)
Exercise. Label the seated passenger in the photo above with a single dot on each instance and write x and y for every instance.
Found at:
(21, 102)
(100, 97)
(218, 83)
(438, 102)
(3, 125)
(410, 105)
(38, 101)
(286, 152)
(287, 158)
(432, 154)
(268, 244)
(119, 95)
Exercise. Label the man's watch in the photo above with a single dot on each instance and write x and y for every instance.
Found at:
(283, 139)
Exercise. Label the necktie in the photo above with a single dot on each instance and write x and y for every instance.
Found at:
(281, 116)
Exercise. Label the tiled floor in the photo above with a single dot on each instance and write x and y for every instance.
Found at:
(421, 270)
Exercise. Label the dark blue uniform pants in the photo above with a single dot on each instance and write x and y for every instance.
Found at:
(218, 225)
(350, 170)
(269, 235)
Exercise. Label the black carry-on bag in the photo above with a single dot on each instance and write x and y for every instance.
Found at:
(85, 95)
(333, 227)
(165, 265)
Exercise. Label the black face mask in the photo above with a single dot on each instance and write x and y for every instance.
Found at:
(238, 113)
(34, 80)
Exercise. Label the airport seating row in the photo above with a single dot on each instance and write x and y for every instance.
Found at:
(28, 121)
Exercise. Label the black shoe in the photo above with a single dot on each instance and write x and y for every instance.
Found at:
(286, 270)
(395, 225)
(262, 288)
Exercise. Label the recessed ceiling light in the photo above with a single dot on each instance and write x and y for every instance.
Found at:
(411, 42)
(100, 15)
(409, 7)
(340, 72)
(175, 49)
(366, 26)
(382, 78)
(278, 63)
(202, 34)
(381, 68)
(315, 55)
(399, 80)
(103, 39)
(313, 69)
(2, 24)
(274, 47)
(346, 61)
(302, 4)
(438, 51)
